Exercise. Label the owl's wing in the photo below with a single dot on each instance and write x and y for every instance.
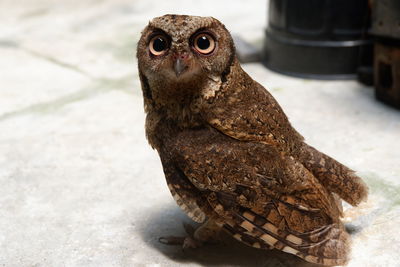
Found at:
(265, 199)
(244, 110)
(185, 194)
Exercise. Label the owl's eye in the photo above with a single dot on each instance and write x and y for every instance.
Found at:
(158, 45)
(204, 43)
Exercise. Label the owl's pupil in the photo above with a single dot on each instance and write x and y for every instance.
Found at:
(203, 42)
(159, 44)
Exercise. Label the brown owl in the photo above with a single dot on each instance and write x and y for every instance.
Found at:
(231, 158)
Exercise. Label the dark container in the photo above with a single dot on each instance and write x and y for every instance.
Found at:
(323, 39)
(386, 32)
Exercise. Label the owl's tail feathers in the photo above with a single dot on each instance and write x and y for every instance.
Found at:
(328, 245)
(336, 177)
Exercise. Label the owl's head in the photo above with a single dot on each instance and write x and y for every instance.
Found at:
(178, 48)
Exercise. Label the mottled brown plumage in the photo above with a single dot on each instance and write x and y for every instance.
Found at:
(230, 156)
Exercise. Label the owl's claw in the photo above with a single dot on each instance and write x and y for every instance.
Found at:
(187, 242)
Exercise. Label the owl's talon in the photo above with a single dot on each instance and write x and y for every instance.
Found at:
(186, 242)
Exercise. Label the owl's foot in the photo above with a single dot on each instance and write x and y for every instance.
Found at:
(208, 232)
(186, 242)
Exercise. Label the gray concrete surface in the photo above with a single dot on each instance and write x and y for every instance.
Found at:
(79, 186)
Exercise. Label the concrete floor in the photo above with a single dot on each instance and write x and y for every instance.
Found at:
(81, 187)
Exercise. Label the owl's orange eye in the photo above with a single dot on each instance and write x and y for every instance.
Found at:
(158, 45)
(204, 43)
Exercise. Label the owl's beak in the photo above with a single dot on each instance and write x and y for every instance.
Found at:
(179, 67)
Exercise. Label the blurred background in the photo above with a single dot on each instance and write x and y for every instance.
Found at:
(80, 186)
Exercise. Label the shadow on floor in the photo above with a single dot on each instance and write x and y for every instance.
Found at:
(229, 252)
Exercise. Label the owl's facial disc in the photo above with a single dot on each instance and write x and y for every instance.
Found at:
(181, 58)
(201, 43)
(160, 47)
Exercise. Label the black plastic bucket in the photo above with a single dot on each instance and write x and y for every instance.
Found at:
(321, 39)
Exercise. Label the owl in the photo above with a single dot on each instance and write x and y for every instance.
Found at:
(231, 159)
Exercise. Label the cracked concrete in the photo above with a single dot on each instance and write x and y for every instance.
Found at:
(81, 187)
